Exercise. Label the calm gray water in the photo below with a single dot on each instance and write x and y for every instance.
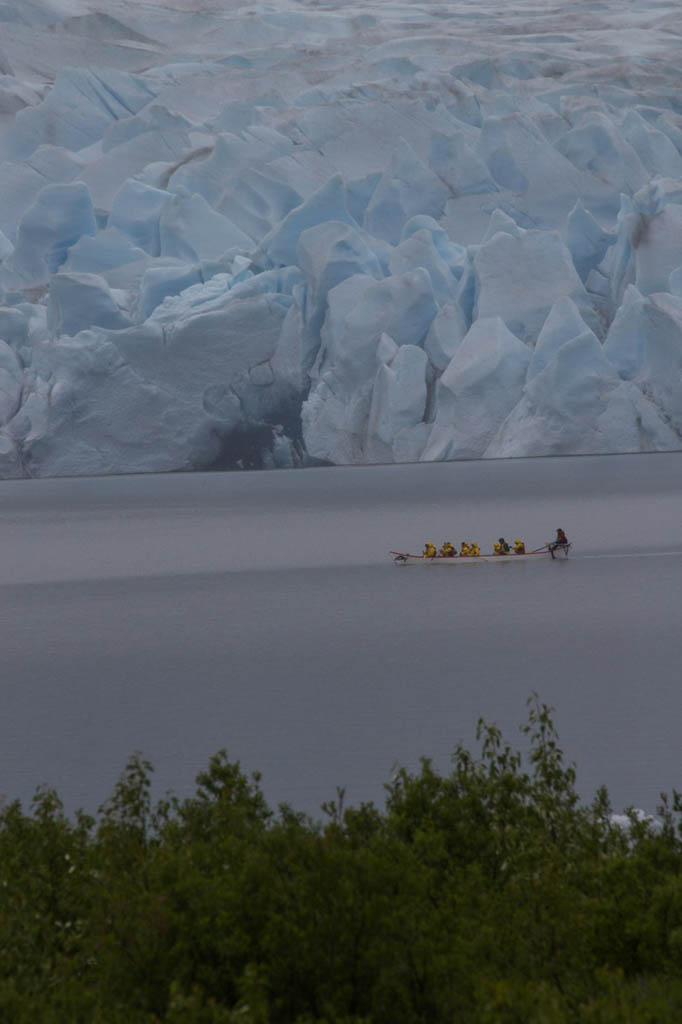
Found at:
(260, 612)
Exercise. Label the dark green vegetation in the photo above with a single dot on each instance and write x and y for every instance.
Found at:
(490, 894)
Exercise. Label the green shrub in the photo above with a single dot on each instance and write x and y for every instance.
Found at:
(489, 894)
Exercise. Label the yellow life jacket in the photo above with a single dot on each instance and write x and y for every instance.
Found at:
(497, 547)
(475, 550)
(429, 550)
(519, 547)
(465, 550)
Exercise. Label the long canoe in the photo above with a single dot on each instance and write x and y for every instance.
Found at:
(403, 558)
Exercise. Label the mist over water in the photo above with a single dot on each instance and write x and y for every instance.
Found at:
(260, 612)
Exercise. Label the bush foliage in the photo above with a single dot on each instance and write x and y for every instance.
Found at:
(490, 894)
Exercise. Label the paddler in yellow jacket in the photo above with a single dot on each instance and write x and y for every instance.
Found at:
(474, 549)
(465, 550)
(430, 550)
(447, 550)
(519, 547)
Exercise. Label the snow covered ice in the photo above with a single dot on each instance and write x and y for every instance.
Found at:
(269, 235)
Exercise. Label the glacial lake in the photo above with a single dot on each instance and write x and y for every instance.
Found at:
(260, 612)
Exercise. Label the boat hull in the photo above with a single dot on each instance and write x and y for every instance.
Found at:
(403, 558)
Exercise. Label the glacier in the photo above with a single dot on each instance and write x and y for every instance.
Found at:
(245, 236)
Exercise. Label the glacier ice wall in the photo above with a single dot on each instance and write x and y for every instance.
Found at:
(267, 235)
